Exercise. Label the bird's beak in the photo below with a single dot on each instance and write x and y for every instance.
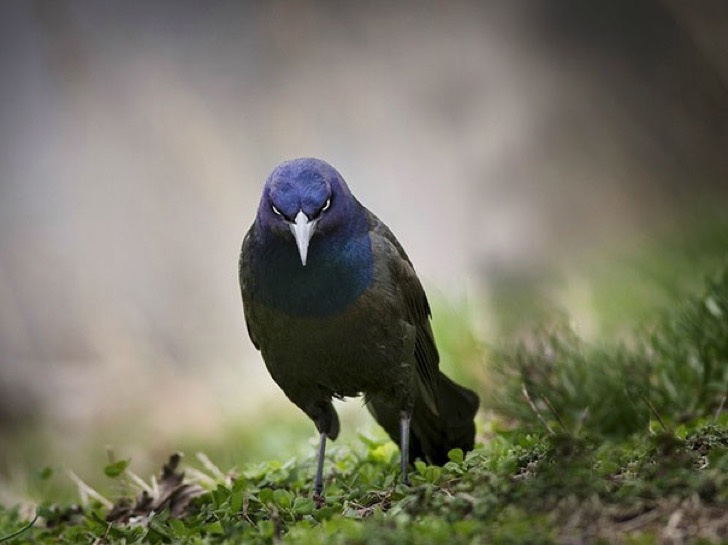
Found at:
(302, 230)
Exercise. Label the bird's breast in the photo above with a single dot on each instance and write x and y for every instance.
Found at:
(333, 278)
(365, 348)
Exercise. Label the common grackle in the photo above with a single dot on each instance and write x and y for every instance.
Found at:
(335, 307)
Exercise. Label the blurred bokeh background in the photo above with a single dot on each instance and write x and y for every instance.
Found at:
(530, 155)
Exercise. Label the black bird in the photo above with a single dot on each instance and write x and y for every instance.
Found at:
(334, 305)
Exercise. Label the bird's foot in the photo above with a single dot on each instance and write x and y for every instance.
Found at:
(318, 499)
(318, 481)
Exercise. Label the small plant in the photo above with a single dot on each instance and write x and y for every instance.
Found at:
(520, 487)
(676, 372)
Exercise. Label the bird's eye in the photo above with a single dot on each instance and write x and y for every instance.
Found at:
(327, 205)
(275, 210)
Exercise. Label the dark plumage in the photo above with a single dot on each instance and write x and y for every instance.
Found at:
(334, 305)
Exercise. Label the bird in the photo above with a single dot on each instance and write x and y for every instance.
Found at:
(333, 303)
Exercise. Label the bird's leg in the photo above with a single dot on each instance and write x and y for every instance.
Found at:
(404, 440)
(318, 482)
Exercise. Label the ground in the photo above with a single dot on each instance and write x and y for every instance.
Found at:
(579, 442)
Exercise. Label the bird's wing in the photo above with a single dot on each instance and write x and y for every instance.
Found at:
(245, 276)
(418, 312)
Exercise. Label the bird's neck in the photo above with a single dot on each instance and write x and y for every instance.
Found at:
(339, 268)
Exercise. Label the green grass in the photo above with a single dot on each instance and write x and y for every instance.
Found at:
(587, 442)
(676, 370)
(519, 487)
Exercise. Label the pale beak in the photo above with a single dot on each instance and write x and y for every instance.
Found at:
(302, 230)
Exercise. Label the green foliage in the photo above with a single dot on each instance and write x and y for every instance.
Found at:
(116, 468)
(689, 355)
(676, 372)
(519, 487)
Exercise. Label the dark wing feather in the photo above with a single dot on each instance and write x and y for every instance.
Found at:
(418, 313)
(245, 276)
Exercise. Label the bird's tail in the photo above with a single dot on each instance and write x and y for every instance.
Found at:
(433, 435)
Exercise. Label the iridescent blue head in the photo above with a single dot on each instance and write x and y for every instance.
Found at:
(304, 198)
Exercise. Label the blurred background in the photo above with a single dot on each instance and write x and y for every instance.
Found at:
(530, 155)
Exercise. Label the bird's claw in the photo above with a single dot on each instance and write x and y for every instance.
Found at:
(318, 499)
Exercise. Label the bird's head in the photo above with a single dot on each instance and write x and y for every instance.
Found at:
(303, 197)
